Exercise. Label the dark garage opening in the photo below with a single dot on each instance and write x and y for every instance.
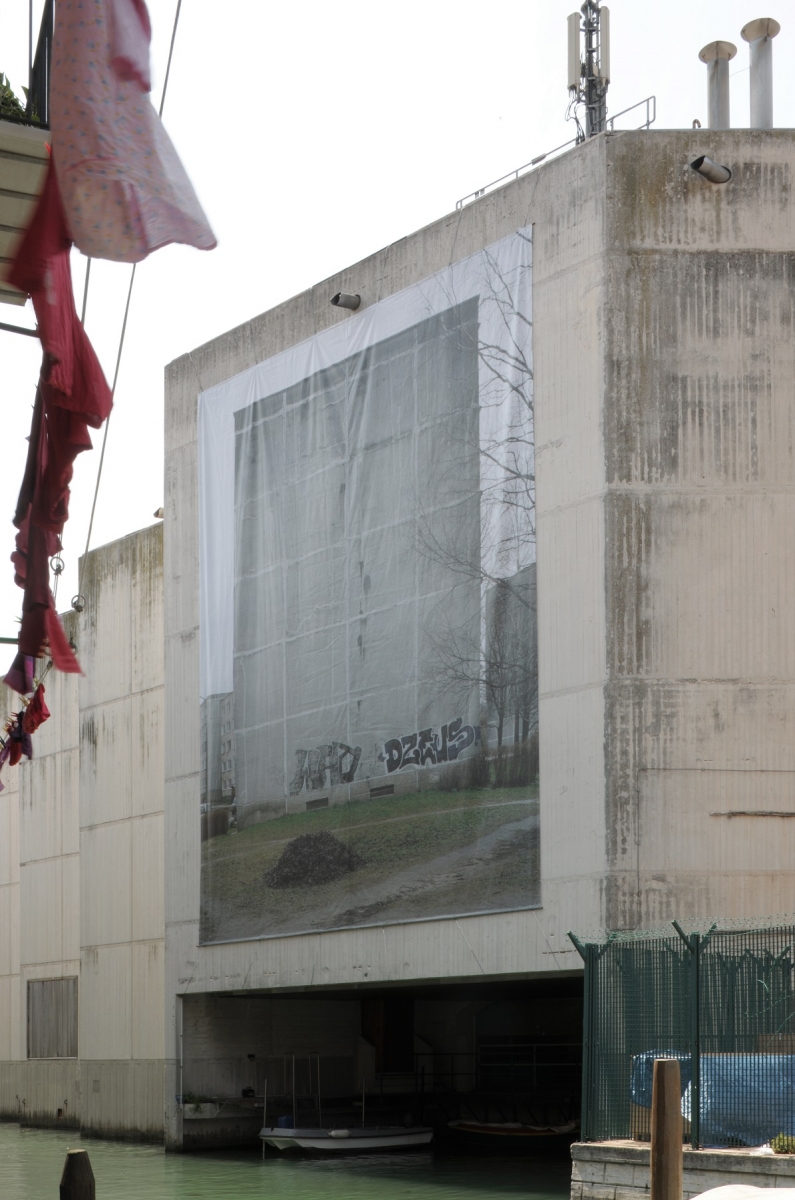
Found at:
(456, 1056)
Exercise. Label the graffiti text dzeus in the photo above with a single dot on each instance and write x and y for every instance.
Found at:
(324, 767)
(429, 746)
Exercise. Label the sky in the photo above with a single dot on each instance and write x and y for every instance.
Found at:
(316, 133)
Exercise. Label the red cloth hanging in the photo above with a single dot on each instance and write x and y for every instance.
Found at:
(73, 394)
(37, 711)
(41, 268)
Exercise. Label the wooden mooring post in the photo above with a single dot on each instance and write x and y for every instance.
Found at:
(77, 1180)
(665, 1159)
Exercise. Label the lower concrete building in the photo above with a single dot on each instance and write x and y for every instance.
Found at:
(82, 885)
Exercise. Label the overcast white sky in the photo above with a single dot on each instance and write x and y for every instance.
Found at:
(316, 133)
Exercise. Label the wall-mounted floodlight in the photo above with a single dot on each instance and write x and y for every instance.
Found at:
(711, 170)
(346, 300)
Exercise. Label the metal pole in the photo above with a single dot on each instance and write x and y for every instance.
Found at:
(717, 56)
(19, 329)
(364, 1085)
(587, 1043)
(695, 1052)
(718, 96)
(77, 1180)
(762, 83)
(665, 1159)
(264, 1111)
(319, 1103)
(759, 34)
(294, 1125)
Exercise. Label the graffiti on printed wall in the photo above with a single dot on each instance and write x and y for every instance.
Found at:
(428, 747)
(324, 767)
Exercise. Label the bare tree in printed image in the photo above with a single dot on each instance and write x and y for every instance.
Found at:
(497, 654)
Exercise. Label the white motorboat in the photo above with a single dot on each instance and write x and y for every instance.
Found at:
(388, 1137)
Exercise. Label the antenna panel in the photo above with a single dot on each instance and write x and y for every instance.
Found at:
(574, 51)
(604, 44)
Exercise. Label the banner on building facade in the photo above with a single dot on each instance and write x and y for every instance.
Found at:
(369, 681)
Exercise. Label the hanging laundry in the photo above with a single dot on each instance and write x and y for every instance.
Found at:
(131, 35)
(41, 268)
(37, 711)
(20, 677)
(19, 741)
(125, 191)
(72, 394)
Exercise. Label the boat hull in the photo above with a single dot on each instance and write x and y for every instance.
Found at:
(512, 1138)
(357, 1140)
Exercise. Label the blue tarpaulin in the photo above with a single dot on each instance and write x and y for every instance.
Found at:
(746, 1099)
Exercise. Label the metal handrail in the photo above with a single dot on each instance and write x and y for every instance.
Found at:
(512, 175)
(651, 116)
(651, 113)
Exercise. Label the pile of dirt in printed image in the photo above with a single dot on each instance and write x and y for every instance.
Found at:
(311, 860)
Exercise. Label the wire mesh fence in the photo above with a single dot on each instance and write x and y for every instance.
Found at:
(722, 1002)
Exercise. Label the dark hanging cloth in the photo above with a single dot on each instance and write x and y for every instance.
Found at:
(20, 742)
(37, 711)
(73, 394)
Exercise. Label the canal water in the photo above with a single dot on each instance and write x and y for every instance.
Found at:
(31, 1161)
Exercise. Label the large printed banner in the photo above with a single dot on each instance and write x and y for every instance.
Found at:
(369, 682)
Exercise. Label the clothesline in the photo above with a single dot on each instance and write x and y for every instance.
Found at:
(116, 189)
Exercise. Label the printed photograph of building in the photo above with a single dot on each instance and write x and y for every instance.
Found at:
(383, 723)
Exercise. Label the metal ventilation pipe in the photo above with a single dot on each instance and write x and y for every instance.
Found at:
(346, 300)
(760, 34)
(717, 56)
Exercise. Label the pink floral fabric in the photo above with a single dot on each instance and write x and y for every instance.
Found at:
(124, 189)
(132, 33)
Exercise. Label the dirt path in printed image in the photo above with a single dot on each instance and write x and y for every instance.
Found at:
(451, 870)
(499, 869)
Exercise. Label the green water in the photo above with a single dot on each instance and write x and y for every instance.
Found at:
(31, 1161)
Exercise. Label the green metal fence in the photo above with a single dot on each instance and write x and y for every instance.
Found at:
(719, 1000)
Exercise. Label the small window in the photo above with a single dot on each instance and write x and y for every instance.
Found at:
(52, 1018)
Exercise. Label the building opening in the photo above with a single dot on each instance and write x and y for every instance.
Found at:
(487, 1066)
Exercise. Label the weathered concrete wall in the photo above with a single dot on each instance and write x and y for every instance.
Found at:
(663, 399)
(40, 925)
(620, 1171)
(121, 839)
(565, 200)
(81, 862)
(699, 449)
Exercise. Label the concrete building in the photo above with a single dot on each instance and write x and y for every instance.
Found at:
(82, 885)
(662, 341)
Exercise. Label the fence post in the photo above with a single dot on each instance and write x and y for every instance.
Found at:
(693, 944)
(587, 1047)
(77, 1180)
(695, 1042)
(665, 1158)
(586, 953)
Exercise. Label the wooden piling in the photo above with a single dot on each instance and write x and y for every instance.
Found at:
(77, 1180)
(666, 1131)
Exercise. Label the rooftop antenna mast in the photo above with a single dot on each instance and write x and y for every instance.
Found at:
(589, 65)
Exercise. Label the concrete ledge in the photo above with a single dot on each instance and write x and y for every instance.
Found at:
(620, 1170)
